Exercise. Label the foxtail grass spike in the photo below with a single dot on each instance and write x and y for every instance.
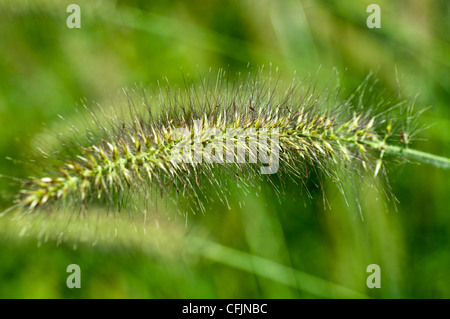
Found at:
(226, 130)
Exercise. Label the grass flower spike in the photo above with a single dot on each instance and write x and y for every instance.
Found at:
(233, 129)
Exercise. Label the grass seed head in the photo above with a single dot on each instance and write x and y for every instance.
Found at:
(131, 151)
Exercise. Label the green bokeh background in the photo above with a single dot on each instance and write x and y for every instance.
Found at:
(293, 248)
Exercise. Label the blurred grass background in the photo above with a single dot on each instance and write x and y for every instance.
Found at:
(265, 249)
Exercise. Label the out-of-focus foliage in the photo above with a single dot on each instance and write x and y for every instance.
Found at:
(263, 247)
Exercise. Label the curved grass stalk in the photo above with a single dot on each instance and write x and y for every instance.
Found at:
(348, 137)
(422, 157)
(274, 271)
(112, 170)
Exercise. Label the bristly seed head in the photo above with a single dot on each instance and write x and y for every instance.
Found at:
(316, 132)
